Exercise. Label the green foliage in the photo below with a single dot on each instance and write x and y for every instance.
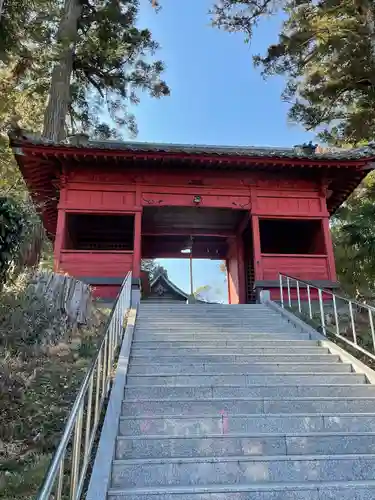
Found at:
(21, 237)
(11, 228)
(326, 51)
(20, 100)
(42, 364)
(202, 292)
(353, 234)
(112, 61)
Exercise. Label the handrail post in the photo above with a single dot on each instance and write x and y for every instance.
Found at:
(352, 322)
(97, 392)
(309, 301)
(74, 480)
(298, 297)
(281, 291)
(289, 297)
(321, 307)
(371, 318)
(336, 314)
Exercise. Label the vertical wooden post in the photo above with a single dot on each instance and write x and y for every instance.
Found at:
(241, 270)
(258, 274)
(137, 245)
(329, 249)
(228, 282)
(233, 271)
(59, 238)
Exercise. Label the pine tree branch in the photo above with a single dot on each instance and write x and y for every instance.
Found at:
(94, 83)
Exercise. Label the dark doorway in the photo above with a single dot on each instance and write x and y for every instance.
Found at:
(288, 236)
(165, 231)
(101, 232)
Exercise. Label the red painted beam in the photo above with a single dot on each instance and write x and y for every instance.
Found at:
(187, 233)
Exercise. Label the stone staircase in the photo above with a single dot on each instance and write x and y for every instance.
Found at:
(234, 403)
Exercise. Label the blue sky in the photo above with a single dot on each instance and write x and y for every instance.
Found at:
(217, 97)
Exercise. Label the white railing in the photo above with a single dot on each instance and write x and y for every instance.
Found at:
(348, 320)
(67, 473)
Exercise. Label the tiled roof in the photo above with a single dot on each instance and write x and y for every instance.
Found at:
(297, 152)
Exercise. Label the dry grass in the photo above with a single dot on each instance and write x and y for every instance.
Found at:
(42, 364)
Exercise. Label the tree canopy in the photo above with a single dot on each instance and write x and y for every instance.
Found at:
(325, 50)
(89, 60)
(66, 67)
(353, 234)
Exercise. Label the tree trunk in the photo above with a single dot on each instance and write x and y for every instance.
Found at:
(54, 127)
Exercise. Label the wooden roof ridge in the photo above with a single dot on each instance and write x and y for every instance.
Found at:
(161, 276)
(79, 143)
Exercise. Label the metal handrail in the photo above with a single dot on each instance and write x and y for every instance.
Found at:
(312, 285)
(66, 474)
(322, 292)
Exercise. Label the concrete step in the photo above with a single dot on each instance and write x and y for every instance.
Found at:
(249, 379)
(189, 358)
(207, 317)
(241, 368)
(135, 447)
(219, 332)
(241, 470)
(212, 306)
(257, 391)
(187, 313)
(200, 425)
(215, 323)
(225, 339)
(215, 337)
(355, 490)
(240, 406)
(190, 328)
(169, 350)
(181, 321)
(161, 313)
(209, 325)
(261, 345)
(245, 309)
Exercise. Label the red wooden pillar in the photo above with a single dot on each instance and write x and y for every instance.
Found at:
(137, 245)
(258, 271)
(241, 270)
(236, 271)
(228, 279)
(59, 238)
(329, 249)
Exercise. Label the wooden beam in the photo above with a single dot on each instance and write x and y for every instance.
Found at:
(243, 223)
(257, 248)
(187, 233)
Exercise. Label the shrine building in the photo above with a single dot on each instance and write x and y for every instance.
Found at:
(108, 205)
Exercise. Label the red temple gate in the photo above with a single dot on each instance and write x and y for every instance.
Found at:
(108, 205)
